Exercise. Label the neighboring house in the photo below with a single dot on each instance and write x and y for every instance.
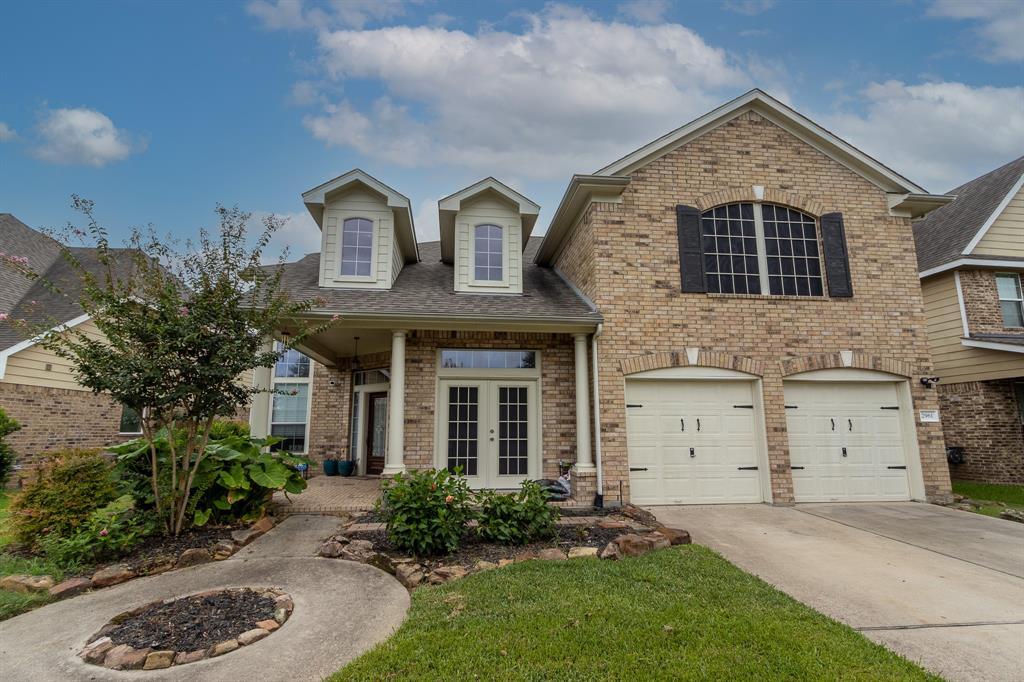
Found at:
(38, 388)
(971, 257)
(744, 289)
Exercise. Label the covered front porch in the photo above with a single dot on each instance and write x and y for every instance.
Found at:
(504, 404)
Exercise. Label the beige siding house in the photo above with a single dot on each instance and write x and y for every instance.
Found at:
(971, 257)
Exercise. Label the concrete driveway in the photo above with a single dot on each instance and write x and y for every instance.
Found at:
(943, 587)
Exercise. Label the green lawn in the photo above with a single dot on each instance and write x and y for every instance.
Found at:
(988, 495)
(680, 613)
(13, 603)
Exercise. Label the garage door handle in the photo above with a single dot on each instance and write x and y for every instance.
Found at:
(902, 467)
(698, 424)
(682, 425)
(638, 468)
(833, 424)
(746, 468)
(850, 421)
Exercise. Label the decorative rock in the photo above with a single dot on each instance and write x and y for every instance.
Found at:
(189, 656)
(583, 552)
(159, 659)
(269, 625)
(443, 574)
(612, 524)
(383, 562)
(245, 536)
(70, 587)
(551, 554)
(264, 524)
(285, 602)
(222, 550)
(485, 565)
(610, 551)
(26, 584)
(640, 515)
(525, 555)
(96, 650)
(123, 657)
(505, 562)
(161, 567)
(224, 647)
(675, 536)
(410, 575)
(1012, 515)
(112, 575)
(252, 636)
(194, 557)
(358, 550)
(281, 615)
(331, 549)
(637, 545)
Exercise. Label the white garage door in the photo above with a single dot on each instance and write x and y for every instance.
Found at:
(691, 442)
(845, 442)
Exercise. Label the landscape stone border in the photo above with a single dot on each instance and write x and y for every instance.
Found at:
(115, 574)
(100, 649)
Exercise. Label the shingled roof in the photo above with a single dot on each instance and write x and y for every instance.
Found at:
(427, 288)
(945, 233)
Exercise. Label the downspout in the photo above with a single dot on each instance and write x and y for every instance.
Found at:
(599, 497)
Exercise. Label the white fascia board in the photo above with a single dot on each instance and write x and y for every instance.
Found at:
(1014, 264)
(992, 345)
(450, 205)
(581, 191)
(995, 215)
(28, 343)
(783, 116)
(916, 205)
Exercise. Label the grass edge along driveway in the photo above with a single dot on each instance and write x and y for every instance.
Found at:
(679, 613)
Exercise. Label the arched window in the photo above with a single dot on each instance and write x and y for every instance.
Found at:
(488, 242)
(357, 247)
(760, 249)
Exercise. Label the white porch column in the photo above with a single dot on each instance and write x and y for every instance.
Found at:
(584, 459)
(393, 460)
(259, 409)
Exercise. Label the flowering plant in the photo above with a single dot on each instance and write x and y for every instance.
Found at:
(426, 511)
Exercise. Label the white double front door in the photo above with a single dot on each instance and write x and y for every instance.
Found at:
(488, 428)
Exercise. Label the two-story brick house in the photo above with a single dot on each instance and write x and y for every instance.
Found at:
(729, 314)
(971, 257)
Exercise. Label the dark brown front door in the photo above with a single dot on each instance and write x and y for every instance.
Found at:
(376, 431)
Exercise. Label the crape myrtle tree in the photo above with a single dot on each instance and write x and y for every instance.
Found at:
(182, 326)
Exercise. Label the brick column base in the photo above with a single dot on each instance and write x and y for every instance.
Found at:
(584, 487)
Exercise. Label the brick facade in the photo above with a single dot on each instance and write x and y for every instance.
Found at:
(981, 301)
(983, 418)
(56, 419)
(636, 285)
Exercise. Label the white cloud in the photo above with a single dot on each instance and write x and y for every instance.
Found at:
(6, 132)
(304, 93)
(358, 13)
(550, 100)
(940, 135)
(279, 14)
(299, 234)
(1000, 34)
(291, 15)
(644, 11)
(749, 7)
(83, 136)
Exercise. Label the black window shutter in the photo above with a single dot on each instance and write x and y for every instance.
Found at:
(837, 259)
(691, 257)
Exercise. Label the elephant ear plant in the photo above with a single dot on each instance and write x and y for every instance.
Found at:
(182, 327)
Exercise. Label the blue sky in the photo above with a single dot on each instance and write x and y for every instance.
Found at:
(159, 110)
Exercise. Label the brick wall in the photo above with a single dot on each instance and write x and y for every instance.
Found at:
(55, 419)
(637, 288)
(981, 301)
(983, 418)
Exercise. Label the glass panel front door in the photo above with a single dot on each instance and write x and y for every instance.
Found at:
(376, 431)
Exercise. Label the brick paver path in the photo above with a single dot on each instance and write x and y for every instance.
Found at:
(331, 495)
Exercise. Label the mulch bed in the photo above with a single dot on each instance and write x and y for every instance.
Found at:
(192, 623)
(376, 517)
(473, 549)
(160, 548)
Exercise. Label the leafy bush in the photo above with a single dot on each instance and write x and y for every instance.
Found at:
(7, 427)
(516, 519)
(77, 483)
(234, 481)
(426, 511)
(108, 534)
(223, 428)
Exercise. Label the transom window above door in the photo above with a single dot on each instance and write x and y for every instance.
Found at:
(357, 247)
(488, 248)
(488, 359)
(754, 248)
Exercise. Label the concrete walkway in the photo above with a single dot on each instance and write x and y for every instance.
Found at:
(942, 587)
(341, 610)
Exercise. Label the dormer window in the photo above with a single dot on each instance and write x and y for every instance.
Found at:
(488, 246)
(357, 247)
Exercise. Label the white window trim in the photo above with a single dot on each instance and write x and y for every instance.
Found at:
(274, 381)
(374, 239)
(504, 281)
(488, 372)
(1019, 300)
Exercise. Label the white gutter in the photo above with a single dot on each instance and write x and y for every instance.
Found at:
(1007, 264)
(597, 412)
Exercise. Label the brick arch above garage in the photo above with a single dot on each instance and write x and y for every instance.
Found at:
(680, 358)
(854, 359)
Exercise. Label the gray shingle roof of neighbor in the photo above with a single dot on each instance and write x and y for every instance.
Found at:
(944, 233)
(427, 288)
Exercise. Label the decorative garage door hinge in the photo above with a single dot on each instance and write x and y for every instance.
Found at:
(633, 405)
(890, 407)
(746, 468)
(638, 468)
(743, 407)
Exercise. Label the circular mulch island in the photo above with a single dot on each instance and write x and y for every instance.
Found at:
(177, 631)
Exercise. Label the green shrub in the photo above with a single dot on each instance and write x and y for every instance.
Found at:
(235, 479)
(516, 519)
(108, 534)
(426, 511)
(7, 427)
(76, 484)
(224, 428)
